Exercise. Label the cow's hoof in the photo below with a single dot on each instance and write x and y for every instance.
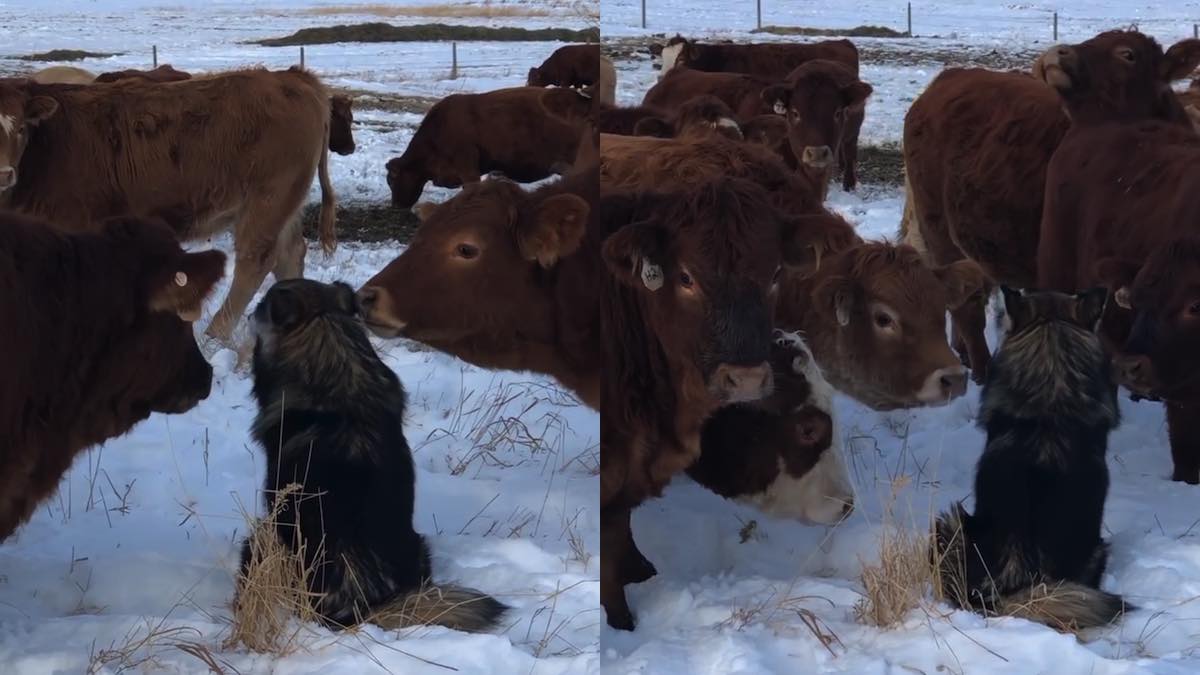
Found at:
(621, 619)
(1189, 477)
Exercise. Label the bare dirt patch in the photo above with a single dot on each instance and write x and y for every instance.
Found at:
(428, 32)
(67, 55)
(857, 31)
(365, 222)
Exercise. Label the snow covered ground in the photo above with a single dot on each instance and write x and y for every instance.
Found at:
(144, 534)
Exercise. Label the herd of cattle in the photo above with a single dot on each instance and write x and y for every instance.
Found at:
(665, 276)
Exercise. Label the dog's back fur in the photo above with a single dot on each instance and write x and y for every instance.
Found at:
(331, 419)
(1033, 546)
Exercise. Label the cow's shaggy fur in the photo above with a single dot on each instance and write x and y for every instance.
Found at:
(1033, 547)
(331, 419)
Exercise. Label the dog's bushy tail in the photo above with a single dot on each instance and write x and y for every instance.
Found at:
(451, 606)
(1063, 605)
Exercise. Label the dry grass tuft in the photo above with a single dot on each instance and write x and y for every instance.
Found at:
(144, 646)
(272, 590)
(898, 583)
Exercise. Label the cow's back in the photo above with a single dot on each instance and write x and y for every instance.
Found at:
(741, 92)
(189, 152)
(773, 60)
(976, 147)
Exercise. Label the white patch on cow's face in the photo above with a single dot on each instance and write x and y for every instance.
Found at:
(819, 497)
(669, 54)
(8, 124)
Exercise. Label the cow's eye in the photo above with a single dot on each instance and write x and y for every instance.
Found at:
(467, 251)
(1127, 54)
(883, 320)
(1194, 309)
(685, 280)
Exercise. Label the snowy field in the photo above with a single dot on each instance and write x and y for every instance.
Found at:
(137, 552)
(738, 592)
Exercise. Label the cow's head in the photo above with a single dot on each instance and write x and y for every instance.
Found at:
(769, 131)
(406, 182)
(573, 106)
(819, 100)
(676, 52)
(477, 270)
(881, 335)
(20, 112)
(341, 125)
(156, 364)
(705, 264)
(1160, 357)
(699, 115)
(1118, 75)
(535, 78)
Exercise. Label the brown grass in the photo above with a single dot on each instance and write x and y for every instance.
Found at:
(272, 589)
(898, 583)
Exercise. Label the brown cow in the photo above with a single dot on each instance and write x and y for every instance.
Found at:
(1128, 216)
(976, 146)
(741, 92)
(63, 75)
(772, 60)
(341, 125)
(685, 320)
(701, 115)
(523, 133)
(781, 455)
(824, 103)
(236, 151)
(569, 66)
(163, 73)
(103, 340)
(873, 313)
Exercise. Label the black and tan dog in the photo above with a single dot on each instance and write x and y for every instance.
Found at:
(331, 419)
(1033, 546)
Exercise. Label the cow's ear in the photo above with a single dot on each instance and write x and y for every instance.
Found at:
(555, 231)
(425, 210)
(187, 283)
(778, 96)
(653, 126)
(961, 279)
(634, 255)
(834, 297)
(1118, 274)
(813, 427)
(39, 108)
(855, 94)
(1089, 307)
(565, 103)
(808, 238)
(767, 130)
(1180, 60)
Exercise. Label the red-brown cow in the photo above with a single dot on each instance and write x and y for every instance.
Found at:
(524, 133)
(976, 146)
(781, 455)
(825, 104)
(741, 92)
(569, 66)
(235, 151)
(686, 320)
(103, 340)
(772, 60)
(1128, 216)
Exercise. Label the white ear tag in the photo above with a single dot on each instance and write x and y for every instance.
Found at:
(1122, 298)
(180, 279)
(652, 275)
(780, 108)
(843, 316)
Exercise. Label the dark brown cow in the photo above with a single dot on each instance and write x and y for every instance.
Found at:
(772, 60)
(824, 103)
(236, 151)
(685, 317)
(1128, 216)
(569, 66)
(104, 339)
(873, 313)
(523, 133)
(163, 73)
(781, 455)
(341, 125)
(741, 92)
(976, 146)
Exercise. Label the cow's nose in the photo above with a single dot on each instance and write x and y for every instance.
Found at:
(744, 383)
(848, 508)
(943, 385)
(1132, 368)
(368, 298)
(817, 156)
(953, 384)
(8, 177)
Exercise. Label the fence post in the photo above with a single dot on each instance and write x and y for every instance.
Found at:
(910, 19)
(1195, 31)
(758, 5)
(154, 53)
(1056, 26)
(302, 57)
(454, 60)
(643, 13)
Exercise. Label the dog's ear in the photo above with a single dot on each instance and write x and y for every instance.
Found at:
(345, 297)
(1089, 307)
(285, 308)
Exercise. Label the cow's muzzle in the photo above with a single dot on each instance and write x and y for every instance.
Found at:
(737, 384)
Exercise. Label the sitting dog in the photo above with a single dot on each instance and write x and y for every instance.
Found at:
(1033, 547)
(331, 420)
